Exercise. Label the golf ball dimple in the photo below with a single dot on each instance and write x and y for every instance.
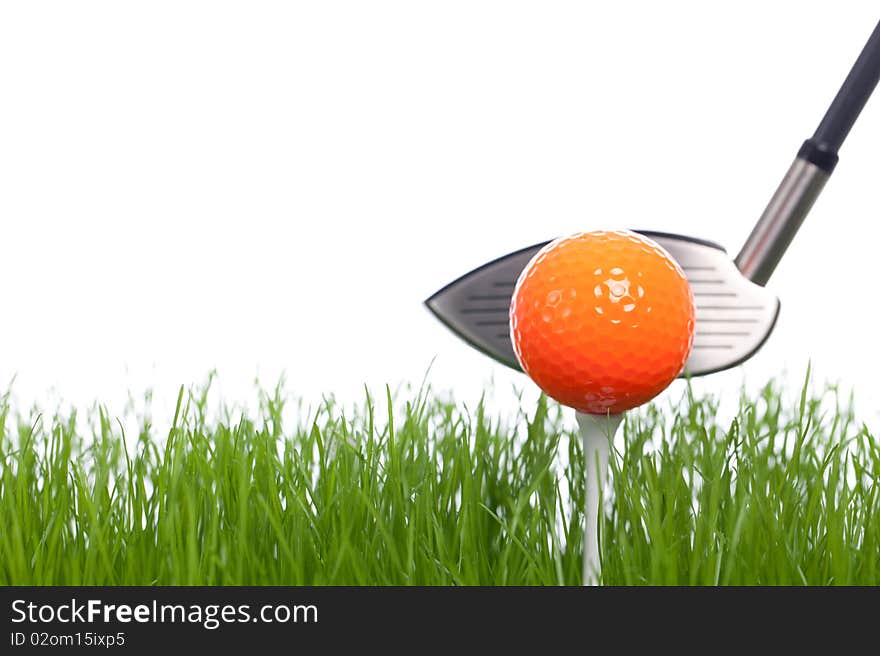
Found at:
(602, 321)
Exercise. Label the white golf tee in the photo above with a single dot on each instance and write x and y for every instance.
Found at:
(597, 433)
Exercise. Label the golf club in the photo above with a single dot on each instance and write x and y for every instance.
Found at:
(735, 313)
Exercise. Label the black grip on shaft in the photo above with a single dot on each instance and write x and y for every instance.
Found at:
(819, 154)
(822, 149)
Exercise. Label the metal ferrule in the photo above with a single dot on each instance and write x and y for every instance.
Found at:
(780, 221)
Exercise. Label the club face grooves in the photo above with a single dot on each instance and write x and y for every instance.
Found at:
(734, 316)
(456, 305)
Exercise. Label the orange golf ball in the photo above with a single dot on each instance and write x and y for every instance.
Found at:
(602, 321)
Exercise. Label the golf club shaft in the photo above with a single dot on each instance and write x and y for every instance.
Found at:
(809, 172)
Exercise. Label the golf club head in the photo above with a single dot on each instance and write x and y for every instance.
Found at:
(734, 315)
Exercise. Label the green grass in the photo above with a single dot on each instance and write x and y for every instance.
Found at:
(784, 494)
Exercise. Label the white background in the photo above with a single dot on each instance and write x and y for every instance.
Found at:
(261, 187)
